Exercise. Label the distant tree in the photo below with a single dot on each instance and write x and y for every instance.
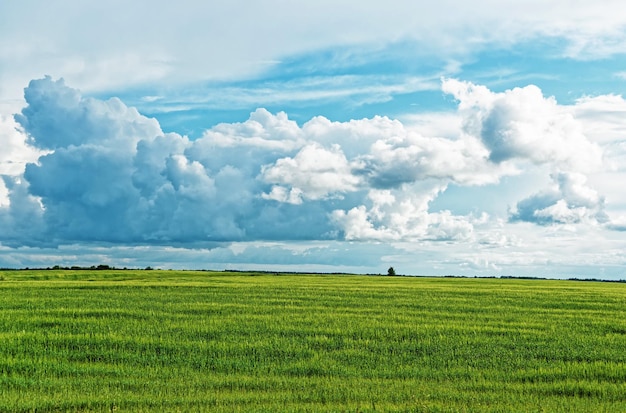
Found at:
(391, 271)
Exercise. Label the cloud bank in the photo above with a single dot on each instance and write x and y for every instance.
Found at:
(80, 170)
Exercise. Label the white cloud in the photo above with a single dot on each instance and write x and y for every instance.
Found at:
(582, 145)
(588, 45)
(603, 119)
(618, 224)
(282, 194)
(193, 40)
(376, 177)
(523, 124)
(262, 130)
(571, 201)
(402, 215)
(16, 152)
(110, 175)
(411, 157)
(574, 189)
(58, 116)
(357, 89)
(314, 173)
(560, 212)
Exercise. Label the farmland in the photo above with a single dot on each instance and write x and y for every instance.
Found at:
(220, 342)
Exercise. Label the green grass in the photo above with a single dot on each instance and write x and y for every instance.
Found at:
(197, 341)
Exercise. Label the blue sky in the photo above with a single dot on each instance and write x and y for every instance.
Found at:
(468, 139)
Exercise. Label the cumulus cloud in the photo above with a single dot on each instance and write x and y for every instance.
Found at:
(58, 116)
(522, 124)
(411, 157)
(21, 219)
(15, 154)
(261, 130)
(98, 171)
(581, 146)
(570, 201)
(402, 215)
(314, 173)
(109, 174)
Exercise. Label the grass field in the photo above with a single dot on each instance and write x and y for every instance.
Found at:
(199, 341)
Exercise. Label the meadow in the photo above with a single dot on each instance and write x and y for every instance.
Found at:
(169, 341)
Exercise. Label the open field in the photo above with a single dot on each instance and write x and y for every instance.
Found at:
(199, 341)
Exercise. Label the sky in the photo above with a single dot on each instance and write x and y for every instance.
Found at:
(483, 138)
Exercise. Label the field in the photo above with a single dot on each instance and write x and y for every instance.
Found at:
(199, 341)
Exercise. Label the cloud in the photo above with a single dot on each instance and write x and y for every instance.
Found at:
(58, 116)
(602, 120)
(98, 171)
(314, 173)
(262, 130)
(111, 175)
(522, 124)
(270, 193)
(16, 153)
(571, 201)
(576, 144)
(166, 46)
(411, 157)
(618, 224)
(21, 219)
(402, 215)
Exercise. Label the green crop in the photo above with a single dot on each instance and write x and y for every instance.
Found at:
(221, 342)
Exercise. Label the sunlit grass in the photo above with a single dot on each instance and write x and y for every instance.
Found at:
(189, 341)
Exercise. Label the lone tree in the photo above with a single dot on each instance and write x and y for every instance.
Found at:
(391, 271)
